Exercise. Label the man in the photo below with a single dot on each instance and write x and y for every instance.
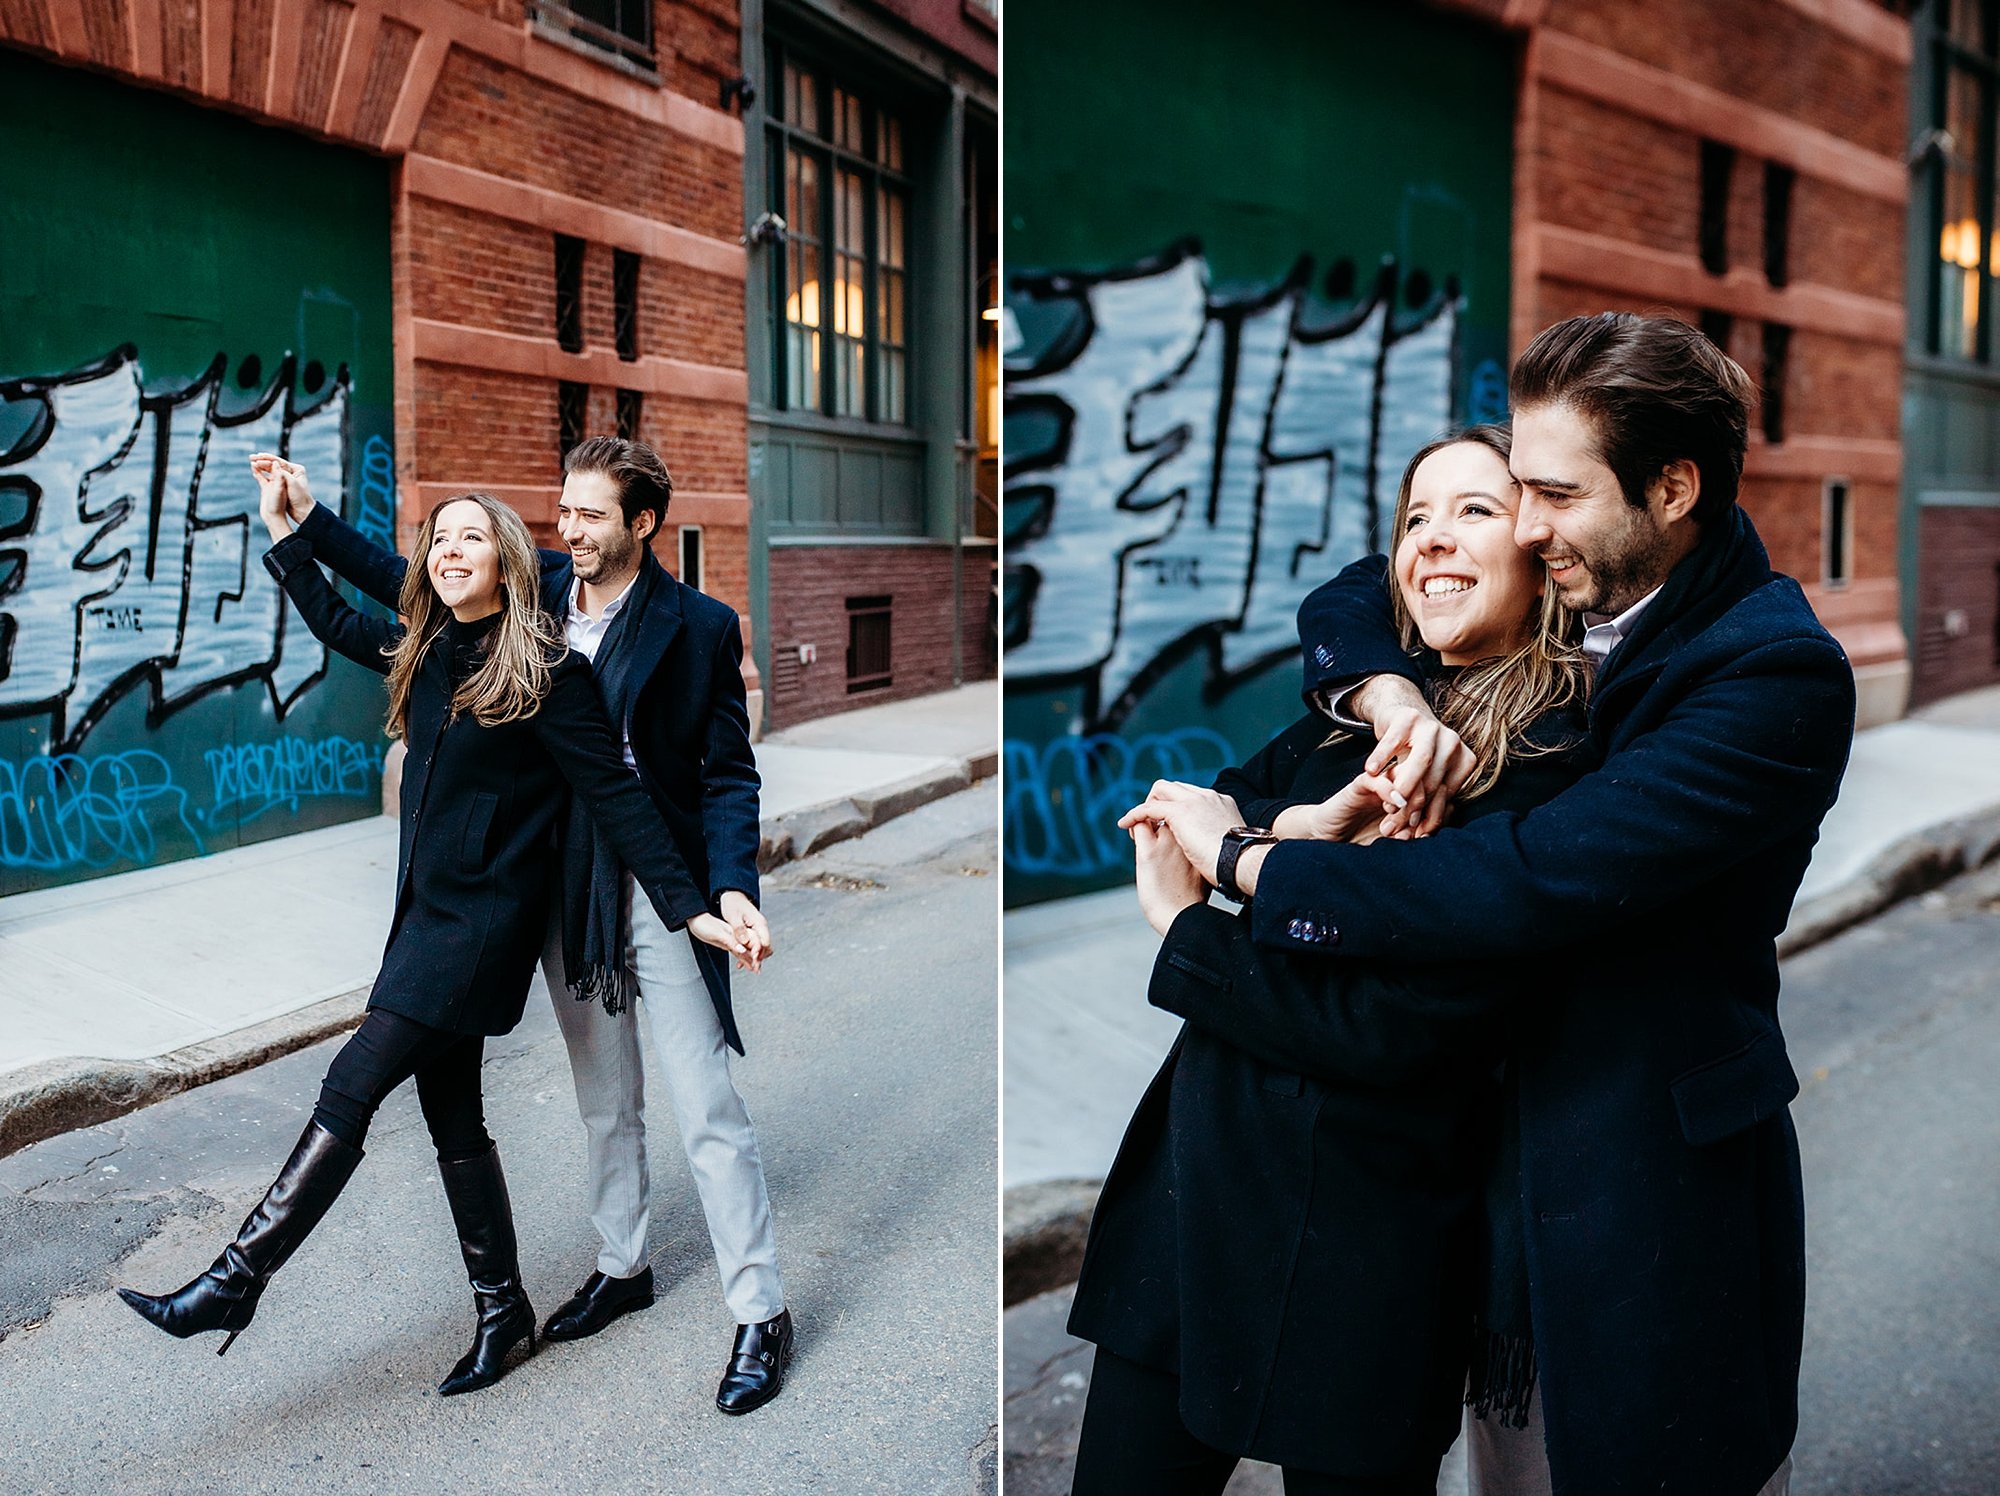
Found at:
(1660, 1222)
(669, 664)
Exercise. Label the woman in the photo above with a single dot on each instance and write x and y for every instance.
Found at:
(1283, 1263)
(496, 713)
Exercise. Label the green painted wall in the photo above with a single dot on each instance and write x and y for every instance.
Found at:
(1255, 258)
(178, 287)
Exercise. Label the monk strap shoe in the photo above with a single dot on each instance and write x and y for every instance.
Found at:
(756, 1365)
(598, 1302)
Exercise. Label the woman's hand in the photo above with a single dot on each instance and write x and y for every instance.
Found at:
(297, 492)
(271, 495)
(1359, 812)
(1168, 882)
(712, 930)
(1197, 819)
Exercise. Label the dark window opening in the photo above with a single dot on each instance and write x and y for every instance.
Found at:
(1717, 328)
(1839, 526)
(1717, 163)
(630, 403)
(1777, 361)
(690, 542)
(1778, 184)
(572, 411)
(868, 644)
(569, 293)
(625, 302)
(623, 28)
(1996, 618)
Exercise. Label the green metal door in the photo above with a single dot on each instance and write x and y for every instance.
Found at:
(1256, 257)
(178, 289)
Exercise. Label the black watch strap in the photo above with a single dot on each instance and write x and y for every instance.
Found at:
(1234, 840)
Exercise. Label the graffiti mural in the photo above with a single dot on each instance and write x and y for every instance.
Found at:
(135, 562)
(1195, 465)
(251, 778)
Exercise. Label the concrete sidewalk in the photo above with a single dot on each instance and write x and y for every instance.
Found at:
(122, 990)
(1921, 802)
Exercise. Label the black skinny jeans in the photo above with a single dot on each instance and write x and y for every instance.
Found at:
(386, 1051)
(1134, 1444)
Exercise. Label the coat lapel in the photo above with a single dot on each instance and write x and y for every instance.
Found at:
(657, 627)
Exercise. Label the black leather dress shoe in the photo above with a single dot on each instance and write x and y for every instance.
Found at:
(598, 1302)
(756, 1365)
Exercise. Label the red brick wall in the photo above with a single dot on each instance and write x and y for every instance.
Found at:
(810, 586)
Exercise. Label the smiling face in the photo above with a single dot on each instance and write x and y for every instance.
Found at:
(1473, 593)
(603, 548)
(464, 562)
(1603, 553)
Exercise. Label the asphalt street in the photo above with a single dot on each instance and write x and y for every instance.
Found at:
(1894, 1028)
(872, 1079)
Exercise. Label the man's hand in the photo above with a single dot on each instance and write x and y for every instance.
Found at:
(1424, 760)
(1195, 817)
(750, 927)
(1167, 884)
(710, 930)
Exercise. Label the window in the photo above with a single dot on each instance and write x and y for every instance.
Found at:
(1717, 327)
(1777, 363)
(838, 172)
(630, 403)
(1836, 533)
(624, 28)
(625, 303)
(572, 410)
(690, 544)
(1959, 166)
(1717, 163)
(1778, 184)
(569, 293)
(868, 644)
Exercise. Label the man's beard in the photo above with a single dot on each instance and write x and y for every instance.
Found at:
(613, 557)
(1621, 577)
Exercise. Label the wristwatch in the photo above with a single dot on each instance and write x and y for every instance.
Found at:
(1234, 840)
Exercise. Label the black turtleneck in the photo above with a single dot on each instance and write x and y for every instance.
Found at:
(464, 644)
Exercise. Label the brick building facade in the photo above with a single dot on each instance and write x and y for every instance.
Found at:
(566, 209)
(1740, 164)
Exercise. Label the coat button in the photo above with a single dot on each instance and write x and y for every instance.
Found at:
(1297, 929)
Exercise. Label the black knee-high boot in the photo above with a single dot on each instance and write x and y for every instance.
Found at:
(479, 1208)
(225, 1297)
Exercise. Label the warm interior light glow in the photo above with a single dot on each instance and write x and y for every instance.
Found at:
(802, 306)
(991, 314)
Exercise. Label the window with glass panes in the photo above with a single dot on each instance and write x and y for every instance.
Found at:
(1962, 178)
(839, 172)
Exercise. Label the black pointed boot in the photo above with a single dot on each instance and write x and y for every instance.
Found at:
(478, 1194)
(225, 1297)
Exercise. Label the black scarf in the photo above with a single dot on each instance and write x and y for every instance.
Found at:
(594, 916)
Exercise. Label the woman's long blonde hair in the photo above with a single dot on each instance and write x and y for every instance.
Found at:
(1491, 703)
(511, 678)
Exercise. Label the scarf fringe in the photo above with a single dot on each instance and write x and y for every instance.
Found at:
(611, 985)
(1502, 1378)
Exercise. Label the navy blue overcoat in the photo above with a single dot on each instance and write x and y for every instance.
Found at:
(1659, 1175)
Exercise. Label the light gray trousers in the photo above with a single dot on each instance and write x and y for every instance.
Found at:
(693, 1057)
(1503, 1461)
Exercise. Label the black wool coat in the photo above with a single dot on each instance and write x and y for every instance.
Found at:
(1659, 1172)
(475, 866)
(688, 722)
(1296, 1237)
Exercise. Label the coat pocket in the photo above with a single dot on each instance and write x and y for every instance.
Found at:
(1721, 1098)
(478, 821)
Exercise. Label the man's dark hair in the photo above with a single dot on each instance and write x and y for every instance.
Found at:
(1656, 390)
(633, 467)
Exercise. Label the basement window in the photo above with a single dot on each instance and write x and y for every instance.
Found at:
(1717, 327)
(572, 410)
(630, 404)
(868, 644)
(690, 543)
(1778, 184)
(1777, 363)
(625, 303)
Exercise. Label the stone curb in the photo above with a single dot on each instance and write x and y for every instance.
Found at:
(62, 1095)
(1045, 1225)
